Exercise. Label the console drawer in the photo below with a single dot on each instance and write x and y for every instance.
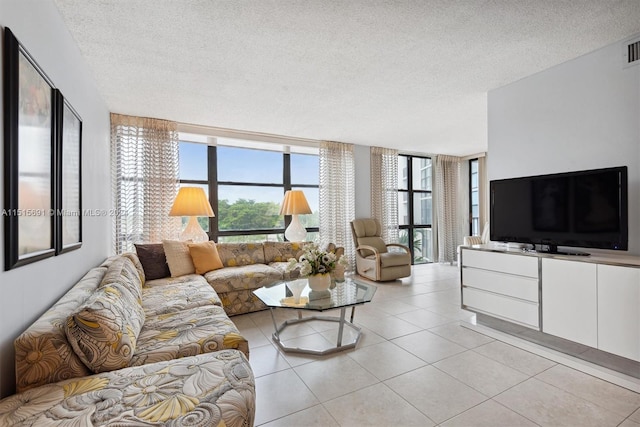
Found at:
(501, 283)
(521, 265)
(523, 312)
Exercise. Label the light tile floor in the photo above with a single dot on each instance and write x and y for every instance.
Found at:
(416, 365)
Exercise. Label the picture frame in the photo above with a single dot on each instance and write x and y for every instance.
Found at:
(68, 176)
(29, 153)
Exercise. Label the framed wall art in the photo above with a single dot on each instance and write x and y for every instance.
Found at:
(28, 158)
(69, 174)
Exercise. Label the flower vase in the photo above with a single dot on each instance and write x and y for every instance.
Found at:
(319, 282)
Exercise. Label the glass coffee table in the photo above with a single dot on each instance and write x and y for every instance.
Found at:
(348, 293)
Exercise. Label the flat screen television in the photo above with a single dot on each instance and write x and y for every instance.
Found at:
(586, 209)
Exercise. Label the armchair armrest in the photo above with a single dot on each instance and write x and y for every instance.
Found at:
(398, 245)
(368, 248)
(366, 265)
(376, 253)
(472, 240)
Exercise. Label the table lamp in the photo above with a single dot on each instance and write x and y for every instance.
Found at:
(295, 204)
(192, 202)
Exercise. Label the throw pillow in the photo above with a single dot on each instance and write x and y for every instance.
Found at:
(178, 257)
(153, 260)
(205, 256)
(104, 330)
(123, 273)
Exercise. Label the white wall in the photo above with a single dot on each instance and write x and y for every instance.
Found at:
(29, 290)
(583, 114)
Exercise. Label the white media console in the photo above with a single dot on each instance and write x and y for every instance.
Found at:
(593, 301)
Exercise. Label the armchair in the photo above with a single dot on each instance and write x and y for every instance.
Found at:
(374, 260)
(474, 240)
(477, 240)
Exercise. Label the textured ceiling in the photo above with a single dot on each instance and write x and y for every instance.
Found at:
(410, 74)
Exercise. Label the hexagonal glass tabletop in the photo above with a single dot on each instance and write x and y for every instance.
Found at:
(351, 291)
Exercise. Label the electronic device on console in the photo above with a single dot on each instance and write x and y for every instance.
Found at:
(586, 209)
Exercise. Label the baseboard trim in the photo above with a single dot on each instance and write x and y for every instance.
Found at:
(597, 371)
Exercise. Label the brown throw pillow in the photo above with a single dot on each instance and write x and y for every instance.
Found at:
(205, 256)
(153, 260)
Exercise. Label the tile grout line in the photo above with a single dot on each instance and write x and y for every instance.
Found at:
(465, 324)
(560, 358)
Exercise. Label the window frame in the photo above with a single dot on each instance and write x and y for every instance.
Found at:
(410, 191)
(474, 231)
(213, 184)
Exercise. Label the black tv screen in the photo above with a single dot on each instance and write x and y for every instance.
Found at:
(585, 209)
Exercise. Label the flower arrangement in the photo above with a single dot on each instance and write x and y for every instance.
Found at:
(315, 261)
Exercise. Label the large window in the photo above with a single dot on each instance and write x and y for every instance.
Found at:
(246, 187)
(415, 206)
(474, 198)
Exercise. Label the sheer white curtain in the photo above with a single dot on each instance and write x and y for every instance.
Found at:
(384, 191)
(144, 171)
(337, 195)
(449, 212)
(463, 206)
(483, 192)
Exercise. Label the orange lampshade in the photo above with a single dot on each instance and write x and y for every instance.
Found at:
(294, 203)
(191, 201)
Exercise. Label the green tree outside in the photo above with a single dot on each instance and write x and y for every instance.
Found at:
(246, 214)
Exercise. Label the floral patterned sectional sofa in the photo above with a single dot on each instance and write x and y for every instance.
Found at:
(249, 266)
(118, 349)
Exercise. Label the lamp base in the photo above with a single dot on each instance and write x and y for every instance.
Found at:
(295, 232)
(194, 232)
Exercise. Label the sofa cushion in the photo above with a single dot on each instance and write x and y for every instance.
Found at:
(107, 262)
(43, 353)
(242, 278)
(281, 251)
(392, 259)
(123, 271)
(375, 242)
(170, 295)
(216, 389)
(282, 267)
(238, 254)
(104, 330)
(133, 257)
(241, 302)
(366, 227)
(187, 333)
(178, 257)
(205, 256)
(153, 260)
